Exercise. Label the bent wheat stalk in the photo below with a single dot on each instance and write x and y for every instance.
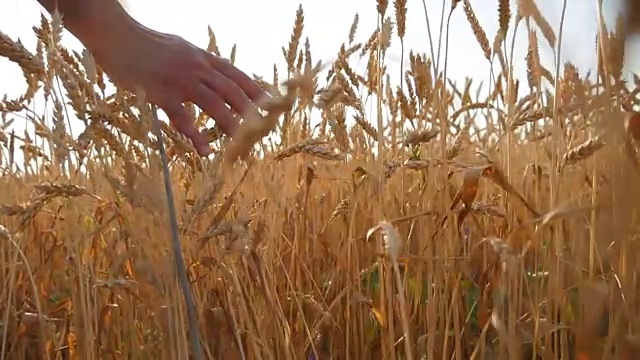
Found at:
(181, 269)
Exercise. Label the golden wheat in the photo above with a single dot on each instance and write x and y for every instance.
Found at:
(485, 251)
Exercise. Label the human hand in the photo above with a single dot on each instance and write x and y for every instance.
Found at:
(170, 71)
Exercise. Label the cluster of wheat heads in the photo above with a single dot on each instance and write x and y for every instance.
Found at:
(413, 231)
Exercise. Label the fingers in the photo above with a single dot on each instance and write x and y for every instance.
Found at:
(248, 86)
(231, 93)
(212, 104)
(181, 121)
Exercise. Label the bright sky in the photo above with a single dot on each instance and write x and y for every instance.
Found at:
(261, 28)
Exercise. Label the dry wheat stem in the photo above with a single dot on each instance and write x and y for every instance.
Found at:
(181, 270)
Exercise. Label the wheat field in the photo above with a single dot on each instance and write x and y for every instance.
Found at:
(440, 225)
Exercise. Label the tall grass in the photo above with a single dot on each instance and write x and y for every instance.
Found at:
(412, 232)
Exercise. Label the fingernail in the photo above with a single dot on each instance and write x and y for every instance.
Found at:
(204, 150)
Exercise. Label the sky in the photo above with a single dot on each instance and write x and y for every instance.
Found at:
(261, 28)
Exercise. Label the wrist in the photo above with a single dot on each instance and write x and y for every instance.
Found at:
(98, 24)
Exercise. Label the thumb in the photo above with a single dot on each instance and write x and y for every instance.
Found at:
(181, 121)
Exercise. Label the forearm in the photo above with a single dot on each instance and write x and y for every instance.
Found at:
(93, 22)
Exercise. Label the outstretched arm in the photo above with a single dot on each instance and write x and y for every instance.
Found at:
(169, 70)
